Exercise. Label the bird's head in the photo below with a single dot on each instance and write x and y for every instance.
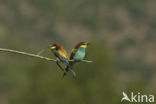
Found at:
(52, 46)
(84, 44)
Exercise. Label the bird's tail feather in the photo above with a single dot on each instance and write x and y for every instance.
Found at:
(69, 67)
(60, 67)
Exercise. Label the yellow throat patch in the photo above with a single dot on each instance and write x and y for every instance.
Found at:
(84, 46)
(52, 47)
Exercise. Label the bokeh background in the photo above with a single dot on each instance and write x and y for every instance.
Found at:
(122, 36)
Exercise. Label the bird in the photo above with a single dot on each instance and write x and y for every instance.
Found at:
(61, 56)
(77, 54)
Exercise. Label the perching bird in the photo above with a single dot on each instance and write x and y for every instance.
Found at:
(61, 56)
(77, 54)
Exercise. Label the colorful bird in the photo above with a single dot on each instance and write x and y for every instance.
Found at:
(77, 54)
(61, 56)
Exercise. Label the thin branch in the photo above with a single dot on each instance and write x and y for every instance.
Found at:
(33, 55)
(88, 61)
(25, 53)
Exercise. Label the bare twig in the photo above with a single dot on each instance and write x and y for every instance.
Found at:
(32, 55)
(87, 61)
(25, 53)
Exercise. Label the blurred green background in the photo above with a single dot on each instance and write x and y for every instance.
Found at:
(122, 36)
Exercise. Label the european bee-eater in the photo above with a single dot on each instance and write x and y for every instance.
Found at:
(61, 56)
(77, 54)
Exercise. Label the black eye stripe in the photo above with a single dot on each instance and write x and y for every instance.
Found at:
(53, 46)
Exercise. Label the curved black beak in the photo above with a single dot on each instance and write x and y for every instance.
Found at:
(88, 43)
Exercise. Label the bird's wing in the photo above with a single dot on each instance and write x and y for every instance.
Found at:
(61, 55)
(61, 52)
(74, 50)
(73, 53)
